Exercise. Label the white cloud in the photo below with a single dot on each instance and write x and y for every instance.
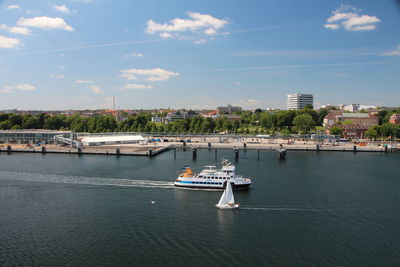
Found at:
(45, 23)
(134, 55)
(135, 86)
(95, 89)
(57, 76)
(21, 87)
(349, 18)
(250, 103)
(210, 31)
(13, 7)
(395, 52)
(332, 26)
(83, 81)
(15, 30)
(200, 41)
(62, 8)
(150, 75)
(198, 24)
(165, 35)
(7, 42)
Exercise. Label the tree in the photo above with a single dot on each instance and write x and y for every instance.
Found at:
(321, 115)
(309, 106)
(303, 123)
(336, 131)
(371, 133)
(267, 120)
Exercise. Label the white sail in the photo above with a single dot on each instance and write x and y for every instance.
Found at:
(229, 194)
(222, 201)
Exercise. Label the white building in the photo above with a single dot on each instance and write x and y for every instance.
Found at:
(299, 101)
(229, 109)
(156, 118)
(111, 140)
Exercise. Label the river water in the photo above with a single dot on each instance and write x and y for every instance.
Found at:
(312, 209)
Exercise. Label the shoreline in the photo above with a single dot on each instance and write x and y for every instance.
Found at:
(155, 148)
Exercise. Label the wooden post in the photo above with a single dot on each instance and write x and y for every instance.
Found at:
(236, 154)
(117, 151)
(317, 148)
(43, 149)
(174, 152)
(194, 156)
(216, 154)
(258, 154)
(354, 149)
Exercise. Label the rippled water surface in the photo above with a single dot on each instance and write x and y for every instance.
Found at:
(311, 209)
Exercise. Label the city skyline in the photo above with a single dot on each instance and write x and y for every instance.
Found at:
(78, 54)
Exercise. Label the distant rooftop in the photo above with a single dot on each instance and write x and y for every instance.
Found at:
(358, 115)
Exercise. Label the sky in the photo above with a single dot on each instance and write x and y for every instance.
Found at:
(78, 54)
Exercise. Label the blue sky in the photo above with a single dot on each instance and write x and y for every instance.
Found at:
(77, 54)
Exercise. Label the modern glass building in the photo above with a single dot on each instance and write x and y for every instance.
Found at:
(299, 101)
(29, 136)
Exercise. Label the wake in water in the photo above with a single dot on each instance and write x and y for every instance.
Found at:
(54, 178)
(287, 209)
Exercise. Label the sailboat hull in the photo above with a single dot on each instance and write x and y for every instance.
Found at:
(227, 207)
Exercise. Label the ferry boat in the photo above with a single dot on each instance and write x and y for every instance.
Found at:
(212, 178)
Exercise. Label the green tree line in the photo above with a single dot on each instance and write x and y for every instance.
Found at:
(286, 121)
(258, 122)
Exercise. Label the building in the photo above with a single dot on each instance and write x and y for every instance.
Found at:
(29, 136)
(180, 115)
(111, 140)
(353, 125)
(299, 101)
(229, 109)
(395, 118)
(156, 118)
(351, 107)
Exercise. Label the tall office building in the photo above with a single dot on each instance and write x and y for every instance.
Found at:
(299, 101)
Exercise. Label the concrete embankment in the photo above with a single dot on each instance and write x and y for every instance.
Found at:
(153, 149)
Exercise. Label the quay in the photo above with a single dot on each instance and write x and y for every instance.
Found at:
(156, 148)
(146, 144)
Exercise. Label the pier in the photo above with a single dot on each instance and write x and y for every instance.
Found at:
(236, 145)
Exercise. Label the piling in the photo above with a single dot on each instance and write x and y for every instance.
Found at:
(258, 154)
(79, 150)
(282, 154)
(386, 149)
(194, 155)
(216, 151)
(117, 151)
(209, 145)
(317, 148)
(354, 149)
(236, 154)
(244, 146)
(150, 153)
(43, 149)
(174, 153)
(184, 144)
(9, 148)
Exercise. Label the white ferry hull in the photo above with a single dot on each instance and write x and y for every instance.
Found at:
(210, 185)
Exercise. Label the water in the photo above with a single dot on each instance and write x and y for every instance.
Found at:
(313, 209)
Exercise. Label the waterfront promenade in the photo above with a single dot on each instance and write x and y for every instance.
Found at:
(231, 143)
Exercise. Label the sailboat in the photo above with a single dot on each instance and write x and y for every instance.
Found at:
(227, 200)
